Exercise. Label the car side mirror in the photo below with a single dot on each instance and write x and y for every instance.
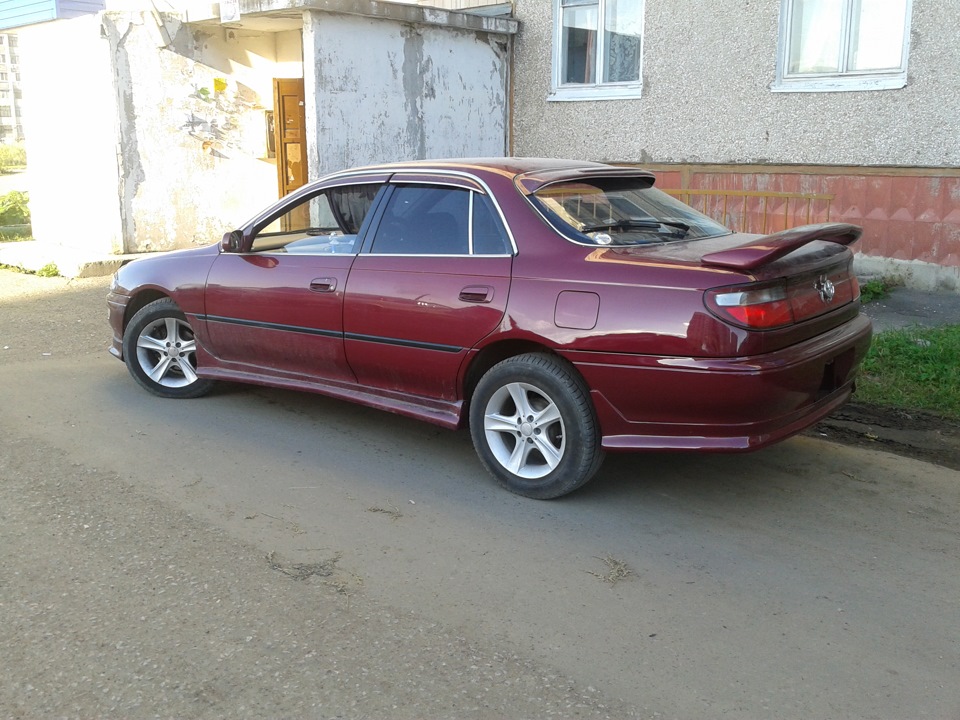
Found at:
(231, 241)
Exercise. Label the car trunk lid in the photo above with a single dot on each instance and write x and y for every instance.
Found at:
(796, 276)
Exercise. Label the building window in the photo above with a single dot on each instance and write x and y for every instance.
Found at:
(836, 45)
(14, 59)
(5, 111)
(3, 58)
(3, 76)
(598, 46)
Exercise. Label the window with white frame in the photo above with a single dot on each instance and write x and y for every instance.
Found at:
(835, 45)
(597, 49)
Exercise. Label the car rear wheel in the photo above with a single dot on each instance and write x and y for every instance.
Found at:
(160, 351)
(534, 427)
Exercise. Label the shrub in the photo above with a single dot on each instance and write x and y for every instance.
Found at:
(12, 155)
(14, 209)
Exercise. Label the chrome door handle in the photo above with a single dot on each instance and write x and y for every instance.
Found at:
(324, 285)
(477, 294)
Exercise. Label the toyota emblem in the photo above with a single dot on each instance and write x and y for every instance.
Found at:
(825, 288)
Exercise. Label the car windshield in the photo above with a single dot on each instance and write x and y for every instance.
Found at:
(621, 211)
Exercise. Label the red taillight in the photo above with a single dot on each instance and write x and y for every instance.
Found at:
(769, 305)
(762, 307)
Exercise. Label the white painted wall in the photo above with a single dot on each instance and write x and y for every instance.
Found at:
(71, 134)
(152, 136)
(193, 156)
(131, 145)
(381, 90)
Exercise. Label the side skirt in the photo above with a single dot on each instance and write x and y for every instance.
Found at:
(437, 412)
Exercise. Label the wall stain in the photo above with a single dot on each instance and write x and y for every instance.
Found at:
(131, 165)
(413, 87)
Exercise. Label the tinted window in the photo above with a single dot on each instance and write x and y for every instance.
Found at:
(489, 237)
(424, 221)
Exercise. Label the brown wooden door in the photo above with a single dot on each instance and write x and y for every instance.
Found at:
(290, 131)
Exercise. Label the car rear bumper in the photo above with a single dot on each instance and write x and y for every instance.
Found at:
(722, 404)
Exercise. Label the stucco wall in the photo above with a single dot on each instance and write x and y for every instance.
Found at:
(380, 90)
(707, 71)
(152, 136)
(192, 131)
(71, 137)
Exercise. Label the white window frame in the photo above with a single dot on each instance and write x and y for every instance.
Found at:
(845, 80)
(598, 90)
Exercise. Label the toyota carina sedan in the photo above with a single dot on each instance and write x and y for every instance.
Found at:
(560, 309)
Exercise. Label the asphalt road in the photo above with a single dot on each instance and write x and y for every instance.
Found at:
(259, 553)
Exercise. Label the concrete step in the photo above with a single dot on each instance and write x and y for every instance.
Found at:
(33, 255)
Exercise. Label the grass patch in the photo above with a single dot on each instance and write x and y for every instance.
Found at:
(49, 270)
(15, 236)
(914, 369)
(878, 288)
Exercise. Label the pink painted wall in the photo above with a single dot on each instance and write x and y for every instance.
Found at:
(906, 217)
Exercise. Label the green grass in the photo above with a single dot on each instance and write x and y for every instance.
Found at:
(49, 270)
(914, 369)
(873, 290)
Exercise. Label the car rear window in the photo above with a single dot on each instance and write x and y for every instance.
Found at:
(621, 211)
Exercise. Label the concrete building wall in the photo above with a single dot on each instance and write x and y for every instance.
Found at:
(145, 134)
(72, 151)
(707, 71)
(707, 121)
(192, 129)
(380, 90)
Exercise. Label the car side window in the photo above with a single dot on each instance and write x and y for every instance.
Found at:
(489, 236)
(423, 220)
(327, 222)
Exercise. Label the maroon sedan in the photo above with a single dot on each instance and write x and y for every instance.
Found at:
(561, 309)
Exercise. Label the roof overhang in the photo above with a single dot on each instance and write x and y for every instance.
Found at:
(281, 15)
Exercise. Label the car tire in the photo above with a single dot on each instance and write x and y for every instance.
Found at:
(159, 349)
(534, 427)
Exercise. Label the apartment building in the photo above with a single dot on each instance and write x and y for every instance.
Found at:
(11, 116)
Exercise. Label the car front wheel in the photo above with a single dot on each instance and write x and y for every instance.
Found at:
(534, 427)
(160, 351)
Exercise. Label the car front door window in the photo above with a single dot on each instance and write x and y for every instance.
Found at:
(324, 223)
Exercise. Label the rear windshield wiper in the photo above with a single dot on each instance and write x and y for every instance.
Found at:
(638, 225)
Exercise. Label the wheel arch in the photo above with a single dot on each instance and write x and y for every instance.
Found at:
(489, 356)
(140, 301)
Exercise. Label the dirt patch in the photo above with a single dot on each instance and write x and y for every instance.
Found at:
(916, 434)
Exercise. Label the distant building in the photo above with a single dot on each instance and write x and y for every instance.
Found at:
(11, 116)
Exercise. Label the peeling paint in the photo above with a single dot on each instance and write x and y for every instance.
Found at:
(131, 169)
(412, 90)
(424, 91)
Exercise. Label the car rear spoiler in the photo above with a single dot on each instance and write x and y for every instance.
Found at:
(531, 182)
(761, 251)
